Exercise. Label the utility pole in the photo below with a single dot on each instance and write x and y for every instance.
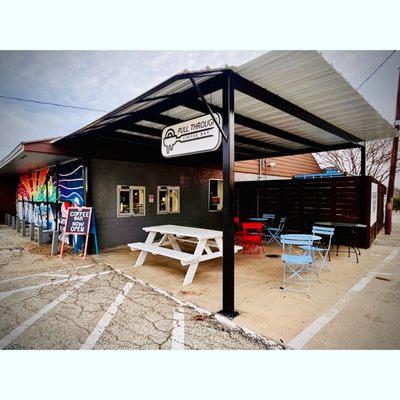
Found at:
(393, 165)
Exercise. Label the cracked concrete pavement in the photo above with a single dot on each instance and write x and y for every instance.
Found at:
(48, 303)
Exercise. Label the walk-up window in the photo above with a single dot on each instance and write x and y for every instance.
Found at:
(131, 201)
(215, 194)
(168, 200)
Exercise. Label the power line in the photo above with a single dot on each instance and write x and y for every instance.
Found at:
(386, 59)
(50, 104)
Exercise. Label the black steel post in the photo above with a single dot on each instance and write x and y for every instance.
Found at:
(363, 159)
(228, 159)
(47, 200)
(87, 179)
(56, 216)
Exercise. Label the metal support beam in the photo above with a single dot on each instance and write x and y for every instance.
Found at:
(262, 127)
(363, 160)
(176, 99)
(203, 99)
(393, 167)
(163, 119)
(390, 192)
(228, 160)
(258, 92)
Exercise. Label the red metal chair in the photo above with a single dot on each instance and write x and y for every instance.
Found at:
(252, 236)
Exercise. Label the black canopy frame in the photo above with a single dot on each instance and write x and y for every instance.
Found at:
(235, 147)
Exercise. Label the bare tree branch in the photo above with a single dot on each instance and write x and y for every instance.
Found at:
(378, 154)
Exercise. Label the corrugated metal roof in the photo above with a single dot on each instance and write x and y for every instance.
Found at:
(304, 78)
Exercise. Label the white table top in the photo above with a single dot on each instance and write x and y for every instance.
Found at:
(180, 230)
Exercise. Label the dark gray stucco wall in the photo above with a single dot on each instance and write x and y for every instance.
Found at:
(193, 182)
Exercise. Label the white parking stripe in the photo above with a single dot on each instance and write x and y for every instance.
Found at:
(178, 330)
(305, 336)
(8, 293)
(106, 318)
(15, 333)
(47, 274)
(85, 266)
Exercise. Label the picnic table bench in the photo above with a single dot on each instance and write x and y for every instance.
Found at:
(205, 239)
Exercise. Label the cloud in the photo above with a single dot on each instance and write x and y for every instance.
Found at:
(96, 79)
(106, 79)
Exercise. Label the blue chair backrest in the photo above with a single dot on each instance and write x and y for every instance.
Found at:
(269, 216)
(306, 244)
(323, 230)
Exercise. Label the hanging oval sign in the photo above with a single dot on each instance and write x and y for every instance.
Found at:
(197, 135)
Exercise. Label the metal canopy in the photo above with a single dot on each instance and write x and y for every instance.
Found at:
(286, 102)
(281, 103)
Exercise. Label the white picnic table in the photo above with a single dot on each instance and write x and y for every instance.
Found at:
(206, 241)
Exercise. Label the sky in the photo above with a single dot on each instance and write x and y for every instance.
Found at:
(104, 80)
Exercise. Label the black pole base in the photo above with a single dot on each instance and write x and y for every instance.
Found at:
(228, 314)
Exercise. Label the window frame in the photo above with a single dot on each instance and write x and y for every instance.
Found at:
(168, 189)
(209, 195)
(130, 189)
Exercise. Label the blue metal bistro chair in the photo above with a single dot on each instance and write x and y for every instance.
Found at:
(297, 267)
(270, 219)
(322, 248)
(273, 234)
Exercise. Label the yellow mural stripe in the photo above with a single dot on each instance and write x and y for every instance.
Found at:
(34, 184)
(25, 181)
(42, 177)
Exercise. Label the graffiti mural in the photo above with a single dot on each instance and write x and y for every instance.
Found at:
(36, 186)
(43, 196)
(70, 186)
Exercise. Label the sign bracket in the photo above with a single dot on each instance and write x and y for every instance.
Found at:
(199, 92)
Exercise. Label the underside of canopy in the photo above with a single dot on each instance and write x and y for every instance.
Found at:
(286, 102)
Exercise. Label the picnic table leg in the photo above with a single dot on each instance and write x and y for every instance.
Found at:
(162, 240)
(218, 240)
(143, 254)
(173, 242)
(193, 267)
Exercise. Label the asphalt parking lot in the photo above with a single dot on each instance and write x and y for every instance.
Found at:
(58, 304)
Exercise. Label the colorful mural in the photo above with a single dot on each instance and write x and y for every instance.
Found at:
(43, 196)
(70, 186)
(33, 186)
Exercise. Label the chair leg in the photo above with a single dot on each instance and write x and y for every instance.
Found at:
(284, 276)
(355, 251)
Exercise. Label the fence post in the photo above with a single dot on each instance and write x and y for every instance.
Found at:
(32, 231)
(40, 235)
(23, 230)
(54, 243)
(13, 221)
(18, 224)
